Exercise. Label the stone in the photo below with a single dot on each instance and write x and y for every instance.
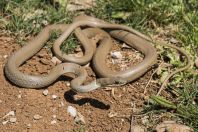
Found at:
(45, 92)
(13, 119)
(53, 122)
(37, 117)
(54, 96)
(72, 111)
(116, 55)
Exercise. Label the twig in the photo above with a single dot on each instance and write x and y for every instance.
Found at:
(132, 119)
(145, 88)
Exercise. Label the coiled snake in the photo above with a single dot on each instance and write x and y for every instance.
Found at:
(84, 27)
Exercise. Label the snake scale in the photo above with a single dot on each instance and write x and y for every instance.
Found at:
(84, 27)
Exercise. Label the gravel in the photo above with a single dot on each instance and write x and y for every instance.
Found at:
(45, 92)
(54, 96)
(37, 117)
(53, 122)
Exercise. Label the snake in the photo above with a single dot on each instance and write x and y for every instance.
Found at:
(84, 27)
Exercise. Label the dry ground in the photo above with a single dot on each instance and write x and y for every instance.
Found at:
(101, 110)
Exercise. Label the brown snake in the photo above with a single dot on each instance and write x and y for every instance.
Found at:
(84, 27)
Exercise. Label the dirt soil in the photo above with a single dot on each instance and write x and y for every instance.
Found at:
(104, 110)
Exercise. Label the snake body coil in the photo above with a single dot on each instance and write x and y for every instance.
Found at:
(85, 28)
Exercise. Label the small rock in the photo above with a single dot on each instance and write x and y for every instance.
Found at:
(29, 125)
(116, 55)
(1, 101)
(13, 120)
(45, 92)
(55, 60)
(19, 96)
(5, 122)
(53, 122)
(54, 96)
(79, 118)
(196, 62)
(67, 84)
(5, 56)
(37, 117)
(72, 111)
(54, 116)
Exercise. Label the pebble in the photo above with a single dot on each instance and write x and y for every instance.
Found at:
(196, 62)
(45, 92)
(19, 96)
(4, 122)
(1, 101)
(72, 111)
(37, 117)
(5, 56)
(116, 55)
(67, 84)
(53, 122)
(54, 96)
(13, 120)
(54, 116)
(29, 125)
